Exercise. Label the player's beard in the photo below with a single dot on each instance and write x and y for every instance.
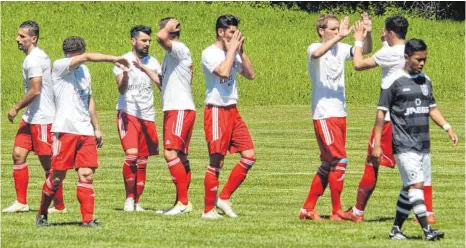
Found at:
(142, 52)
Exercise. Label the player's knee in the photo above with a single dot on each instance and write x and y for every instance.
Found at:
(249, 154)
(216, 160)
(170, 154)
(18, 157)
(142, 162)
(86, 175)
(131, 159)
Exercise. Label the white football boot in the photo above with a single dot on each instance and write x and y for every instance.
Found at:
(16, 207)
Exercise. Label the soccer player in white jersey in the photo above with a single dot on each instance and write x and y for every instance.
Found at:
(326, 64)
(75, 127)
(136, 115)
(179, 110)
(34, 130)
(390, 58)
(224, 128)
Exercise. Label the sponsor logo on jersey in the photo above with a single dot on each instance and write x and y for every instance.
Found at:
(416, 110)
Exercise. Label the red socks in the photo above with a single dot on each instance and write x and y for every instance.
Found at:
(211, 187)
(86, 197)
(129, 174)
(237, 176)
(21, 178)
(48, 192)
(336, 180)
(141, 176)
(428, 198)
(180, 179)
(318, 185)
(58, 198)
(366, 186)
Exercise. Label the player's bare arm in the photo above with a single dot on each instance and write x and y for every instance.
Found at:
(99, 138)
(360, 34)
(223, 70)
(78, 60)
(367, 23)
(343, 31)
(151, 74)
(378, 127)
(438, 118)
(36, 85)
(163, 36)
(248, 71)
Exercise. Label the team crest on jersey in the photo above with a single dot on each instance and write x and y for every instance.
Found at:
(425, 90)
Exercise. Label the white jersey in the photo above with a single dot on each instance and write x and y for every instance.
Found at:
(41, 109)
(177, 72)
(138, 99)
(328, 81)
(220, 92)
(390, 59)
(72, 90)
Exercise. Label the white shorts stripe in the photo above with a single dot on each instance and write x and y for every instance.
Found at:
(215, 123)
(43, 130)
(179, 123)
(121, 125)
(328, 140)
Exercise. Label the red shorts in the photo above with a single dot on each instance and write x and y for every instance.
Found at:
(73, 151)
(35, 137)
(137, 133)
(387, 159)
(331, 137)
(178, 127)
(225, 130)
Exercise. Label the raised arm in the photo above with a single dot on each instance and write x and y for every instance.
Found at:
(33, 92)
(359, 62)
(438, 118)
(78, 60)
(344, 31)
(163, 36)
(367, 22)
(99, 138)
(223, 70)
(248, 71)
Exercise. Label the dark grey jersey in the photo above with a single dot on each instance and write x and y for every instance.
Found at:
(409, 99)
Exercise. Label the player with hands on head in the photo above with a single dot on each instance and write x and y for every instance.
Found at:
(178, 109)
(224, 128)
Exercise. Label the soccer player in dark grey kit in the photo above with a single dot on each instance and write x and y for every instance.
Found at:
(407, 95)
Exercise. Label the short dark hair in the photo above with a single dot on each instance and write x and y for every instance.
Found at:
(415, 45)
(134, 32)
(225, 21)
(163, 22)
(32, 26)
(397, 24)
(74, 44)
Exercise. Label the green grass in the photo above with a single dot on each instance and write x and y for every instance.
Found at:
(276, 109)
(267, 202)
(277, 42)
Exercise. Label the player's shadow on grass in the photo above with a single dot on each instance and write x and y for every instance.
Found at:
(71, 223)
(145, 209)
(377, 219)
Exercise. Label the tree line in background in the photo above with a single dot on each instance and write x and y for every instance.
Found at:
(428, 10)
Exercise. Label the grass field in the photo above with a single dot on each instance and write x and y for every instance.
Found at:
(276, 109)
(267, 202)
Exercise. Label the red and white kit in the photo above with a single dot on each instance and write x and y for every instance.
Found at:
(177, 100)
